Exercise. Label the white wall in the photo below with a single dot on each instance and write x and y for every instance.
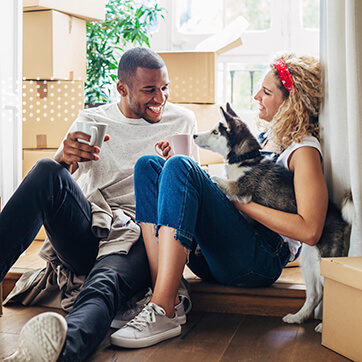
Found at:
(10, 97)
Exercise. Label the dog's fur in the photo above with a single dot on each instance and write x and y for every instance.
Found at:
(253, 177)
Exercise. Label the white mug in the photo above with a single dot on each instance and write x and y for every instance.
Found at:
(180, 144)
(96, 130)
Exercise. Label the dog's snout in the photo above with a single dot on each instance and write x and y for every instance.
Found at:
(195, 136)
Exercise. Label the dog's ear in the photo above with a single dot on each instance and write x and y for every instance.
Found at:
(228, 118)
(222, 113)
(230, 110)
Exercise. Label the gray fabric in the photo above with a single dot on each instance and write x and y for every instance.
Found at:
(117, 230)
(52, 286)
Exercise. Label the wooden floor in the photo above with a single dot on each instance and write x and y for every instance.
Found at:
(205, 337)
(239, 325)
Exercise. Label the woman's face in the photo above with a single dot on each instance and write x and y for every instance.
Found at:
(269, 97)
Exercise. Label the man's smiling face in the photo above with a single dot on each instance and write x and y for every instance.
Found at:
(147, 94)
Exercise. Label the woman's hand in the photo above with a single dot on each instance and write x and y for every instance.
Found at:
(165, 148)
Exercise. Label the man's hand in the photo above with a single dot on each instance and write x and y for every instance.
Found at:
(75, 151)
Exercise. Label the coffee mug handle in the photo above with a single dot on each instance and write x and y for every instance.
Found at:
(94, 135)
(158, 151)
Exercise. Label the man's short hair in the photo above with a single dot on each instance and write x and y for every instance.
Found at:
(137, 57)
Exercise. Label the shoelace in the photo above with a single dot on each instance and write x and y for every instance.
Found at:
(147, 316)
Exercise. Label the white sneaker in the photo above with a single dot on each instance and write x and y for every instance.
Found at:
(149, 327)
(131, 310)
(180, 311)
(185, 304)
(41, 339)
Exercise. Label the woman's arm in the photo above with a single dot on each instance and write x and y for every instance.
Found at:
(311, 197)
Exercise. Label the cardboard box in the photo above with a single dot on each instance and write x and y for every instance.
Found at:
(49, 109)
(207, 115)
(342, 301)
(89, 10)
(193, 74)
(30, 158)
(54, 46)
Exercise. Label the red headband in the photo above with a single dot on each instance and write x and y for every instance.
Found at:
(284, 75)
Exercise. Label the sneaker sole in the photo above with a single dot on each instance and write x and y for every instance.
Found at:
(46, 331)
(145, 342)
(117, 324)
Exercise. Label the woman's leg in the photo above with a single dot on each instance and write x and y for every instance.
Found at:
(153, 249)
(237, 252)
(146, 204)
(184, 202)
(171, 260)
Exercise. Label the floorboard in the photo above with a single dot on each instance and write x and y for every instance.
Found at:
(205, 337)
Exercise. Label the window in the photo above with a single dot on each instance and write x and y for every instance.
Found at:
(310, 11)
(203, 16)
(274, 26)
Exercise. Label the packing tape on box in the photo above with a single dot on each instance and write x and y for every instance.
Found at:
(41, 141)
(42, 89)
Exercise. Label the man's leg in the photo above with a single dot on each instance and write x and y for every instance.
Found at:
(113, 280)
(48, 195)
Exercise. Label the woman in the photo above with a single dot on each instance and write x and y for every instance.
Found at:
(189, 209)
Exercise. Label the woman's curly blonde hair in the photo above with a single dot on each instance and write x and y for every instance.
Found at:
(297, 117)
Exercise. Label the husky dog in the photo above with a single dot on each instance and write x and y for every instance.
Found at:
(253, 177)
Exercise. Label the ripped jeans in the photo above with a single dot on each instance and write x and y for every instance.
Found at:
(179, 194)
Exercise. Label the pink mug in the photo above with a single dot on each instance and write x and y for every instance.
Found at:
(180, 144)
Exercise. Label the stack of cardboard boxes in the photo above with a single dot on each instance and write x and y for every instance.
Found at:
(193, 82)
(54, 72)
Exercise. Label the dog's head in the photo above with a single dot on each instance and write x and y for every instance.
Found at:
(229, 136)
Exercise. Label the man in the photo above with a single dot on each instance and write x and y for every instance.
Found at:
(89, 223)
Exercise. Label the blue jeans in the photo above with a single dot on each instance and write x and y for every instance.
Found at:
(49, 195)
(179, 194)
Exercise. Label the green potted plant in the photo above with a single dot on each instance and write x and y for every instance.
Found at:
(125, 23)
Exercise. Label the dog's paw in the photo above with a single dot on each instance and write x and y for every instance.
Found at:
(292, 318)
(318, 329)
(222, 184)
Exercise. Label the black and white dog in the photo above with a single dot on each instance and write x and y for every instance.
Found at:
(253, 177)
